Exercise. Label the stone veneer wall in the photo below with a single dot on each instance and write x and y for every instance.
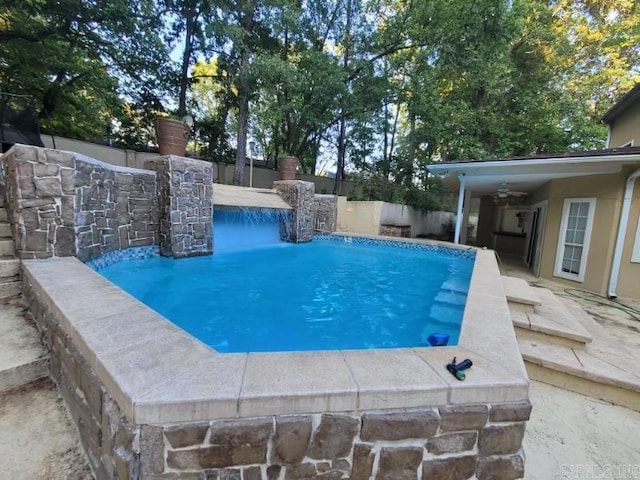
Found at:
(440, 442)
(325, 213)
(185, 199)
(63, 204)
(300, 195)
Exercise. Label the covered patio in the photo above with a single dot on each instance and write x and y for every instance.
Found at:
(515, 196)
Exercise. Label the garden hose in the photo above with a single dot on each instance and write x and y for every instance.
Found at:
(600, 300)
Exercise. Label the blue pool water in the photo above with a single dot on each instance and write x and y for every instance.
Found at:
(324, 295)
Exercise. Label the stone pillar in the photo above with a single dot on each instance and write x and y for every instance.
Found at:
(325, 213)
(300, 196)
(185, 199)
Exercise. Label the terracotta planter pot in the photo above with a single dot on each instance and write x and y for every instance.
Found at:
(172, 136)
(287, 167)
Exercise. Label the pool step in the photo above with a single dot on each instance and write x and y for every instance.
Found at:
(451, 297)
(23, 359)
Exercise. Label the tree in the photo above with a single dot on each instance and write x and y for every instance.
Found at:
(74, 58)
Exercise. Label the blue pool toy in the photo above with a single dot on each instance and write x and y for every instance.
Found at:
(438, 339)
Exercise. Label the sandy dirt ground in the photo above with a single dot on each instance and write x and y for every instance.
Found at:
(37, 438)
(573, 436)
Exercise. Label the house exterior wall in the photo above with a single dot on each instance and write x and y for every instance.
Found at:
(628, 286)
(607, 190)
(626, 128)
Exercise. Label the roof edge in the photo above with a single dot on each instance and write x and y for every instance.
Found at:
(621, 105)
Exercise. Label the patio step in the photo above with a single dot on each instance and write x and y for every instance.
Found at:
(539, 315)
(23, 359)
(6, 247)
(554, 320)
(520, 296)
(9, 267)
(5, 230)
(582, 371)
(558, 348)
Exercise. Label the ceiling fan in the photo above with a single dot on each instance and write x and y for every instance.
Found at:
(504, 193)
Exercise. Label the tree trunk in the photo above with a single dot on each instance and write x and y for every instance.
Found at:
(190, 27)
(246, 22)
(343, 120)
(241, 150)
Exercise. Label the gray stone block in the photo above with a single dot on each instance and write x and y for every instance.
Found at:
(509, 467)
(334, 437)
(399, 426)
(186, 435)
(291, 438)
(399, 463)
(510, 412)
(451, 468)
(363, 458)
(458, 418)
(48, 187)
(501, 439)
(452, 442)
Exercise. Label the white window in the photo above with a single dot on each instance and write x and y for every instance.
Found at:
(573, 242)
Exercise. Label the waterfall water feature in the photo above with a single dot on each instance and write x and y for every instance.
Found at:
(247, 228)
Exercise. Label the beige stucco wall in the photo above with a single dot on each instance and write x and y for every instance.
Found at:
(626, 128)
(113, 156)
(629, 279)
(359, 217)
(222, 173)
(607, 189)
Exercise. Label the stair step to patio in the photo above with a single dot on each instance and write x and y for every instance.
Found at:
(553, 318)
(10, 289)
(9, 267)
(22, 357)
(6, 247)
(5, 230)
(518, 290)
(581, 371)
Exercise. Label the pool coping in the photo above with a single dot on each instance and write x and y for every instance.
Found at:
(159, 374)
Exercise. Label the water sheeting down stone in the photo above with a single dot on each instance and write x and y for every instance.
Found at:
(245, 228)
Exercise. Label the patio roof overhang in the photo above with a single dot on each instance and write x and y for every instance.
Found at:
(527, 175)
(478, 178)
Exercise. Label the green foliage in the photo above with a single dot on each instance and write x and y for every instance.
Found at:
(74, 58)
(378, 88)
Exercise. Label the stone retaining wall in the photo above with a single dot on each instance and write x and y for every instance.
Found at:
(441, 442)
(185, 199)
(62, 204)
(109, 440)
(300, 195)
(325, 213)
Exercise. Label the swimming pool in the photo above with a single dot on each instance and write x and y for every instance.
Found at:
(324, 295)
